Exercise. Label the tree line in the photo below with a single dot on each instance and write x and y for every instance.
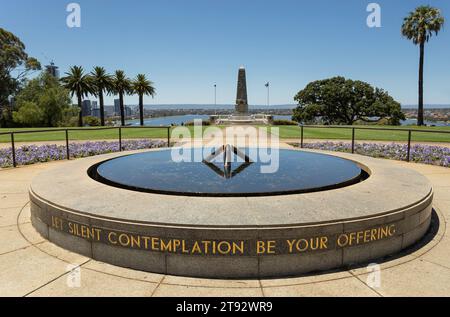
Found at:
(99, 82)
(45, 100)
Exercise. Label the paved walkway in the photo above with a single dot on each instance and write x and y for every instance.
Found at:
(31, 266)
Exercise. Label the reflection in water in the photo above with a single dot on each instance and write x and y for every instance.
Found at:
(298, 172)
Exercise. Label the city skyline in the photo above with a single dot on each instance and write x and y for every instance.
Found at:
(186, 49)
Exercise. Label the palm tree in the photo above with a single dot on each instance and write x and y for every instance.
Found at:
(419, 27)
(142, 86)
(80, 85)
(103, 83)
(121, 86)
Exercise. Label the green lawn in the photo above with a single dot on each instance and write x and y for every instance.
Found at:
(286, 132)
(293, 132)
(86, 134)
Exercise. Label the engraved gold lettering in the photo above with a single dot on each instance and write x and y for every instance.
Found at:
(323, 243)
(238, 247)
(290, 245)
(166, 247)
(112, 237)
(260, 247)
(135, 241)
(124, 240)
(223, 250)
(196, 248)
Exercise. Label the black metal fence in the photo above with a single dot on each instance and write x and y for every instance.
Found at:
(67, 139)
(408, 134)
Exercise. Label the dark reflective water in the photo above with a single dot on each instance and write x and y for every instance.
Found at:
(298, 172)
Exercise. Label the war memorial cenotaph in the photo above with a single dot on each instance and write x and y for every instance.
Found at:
(241, 114)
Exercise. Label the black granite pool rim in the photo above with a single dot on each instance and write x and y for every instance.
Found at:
(362, 176)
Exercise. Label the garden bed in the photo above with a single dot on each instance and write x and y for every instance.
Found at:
(426, 154)
(31, 154)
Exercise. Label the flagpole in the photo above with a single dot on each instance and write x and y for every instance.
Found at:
(215, 98)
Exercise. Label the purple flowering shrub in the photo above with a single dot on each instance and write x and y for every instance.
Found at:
(30, 154)
(427, 154)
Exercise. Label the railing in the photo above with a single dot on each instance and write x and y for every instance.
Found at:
(67, 130)
(409, 133)
(354, 129)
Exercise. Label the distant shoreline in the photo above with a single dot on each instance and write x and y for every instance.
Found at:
(256, 107)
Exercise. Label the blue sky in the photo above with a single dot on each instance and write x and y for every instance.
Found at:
(185, 46)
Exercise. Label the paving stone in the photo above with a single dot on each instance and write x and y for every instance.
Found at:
(13, 200)
(13, 186)
(31, 235)
(26, 270)
(61, 254)
(25, 215)
(343, 287)
(417, 278)
(12, 238)
(122, 272)
(215, 283)
(8, 216)
(307, 279)
(440, 253)
(187, 291)
(96, 284)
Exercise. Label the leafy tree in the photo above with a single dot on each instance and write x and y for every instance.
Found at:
(342, 101)
(15, 65)
(79, 84)
(69, 117)
(142, 86)
(52, 102)
(92, 121)
(121, 86)
(419, 26)
(42, 102)
(29, 114)
(103, 83)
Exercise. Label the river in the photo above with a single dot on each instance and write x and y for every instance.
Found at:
(178, 120)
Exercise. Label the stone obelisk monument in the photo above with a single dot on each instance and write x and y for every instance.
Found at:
(241, 99)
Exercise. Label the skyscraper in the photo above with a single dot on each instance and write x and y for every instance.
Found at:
(128, 111)
(52, 69)
(109, 111)
(117, 107)
(86, 108)
(95, 110)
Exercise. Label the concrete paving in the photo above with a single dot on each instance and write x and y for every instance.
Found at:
(31, 266)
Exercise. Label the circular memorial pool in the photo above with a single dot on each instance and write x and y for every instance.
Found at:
(262, 174)
(165, 226)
